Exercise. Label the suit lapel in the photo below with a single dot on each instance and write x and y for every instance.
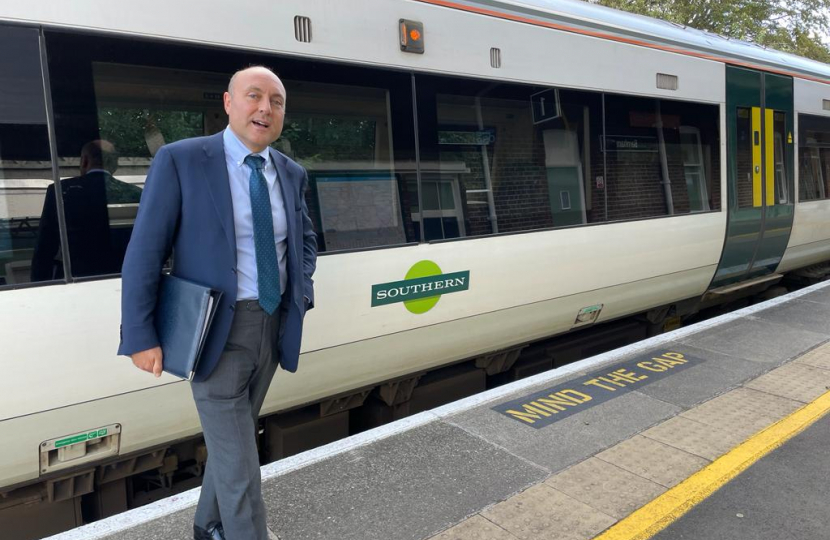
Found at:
(287, 196)
(215, 172)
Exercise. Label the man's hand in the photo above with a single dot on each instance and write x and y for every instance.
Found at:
(149, 360)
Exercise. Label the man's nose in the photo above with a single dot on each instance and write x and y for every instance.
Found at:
(265, 106)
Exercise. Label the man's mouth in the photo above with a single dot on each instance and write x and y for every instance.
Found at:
(260, 123)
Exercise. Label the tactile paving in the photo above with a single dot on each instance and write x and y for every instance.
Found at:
(818, 357)
(653, 460)
(799, 382)
(742, 411)
(475, 528)
(543, 513)
(709, 442)
(606, 487)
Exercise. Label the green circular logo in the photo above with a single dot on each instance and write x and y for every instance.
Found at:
(419, 270)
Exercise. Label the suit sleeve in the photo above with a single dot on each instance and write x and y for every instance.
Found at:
(309, 246)
(150, 245)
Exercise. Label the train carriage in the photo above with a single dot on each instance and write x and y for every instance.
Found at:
(539, 169)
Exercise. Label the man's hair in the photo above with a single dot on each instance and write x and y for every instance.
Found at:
(101, 155)
(233, 77)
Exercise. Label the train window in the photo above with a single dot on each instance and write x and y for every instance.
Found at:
(661, 157)
(573, 158)
(746, 142)
(27, 196)
(123, 99)
(499, 158)
(781, 188)
(364, 192)
(814, 157)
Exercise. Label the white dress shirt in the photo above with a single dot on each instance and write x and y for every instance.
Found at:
(239, 175)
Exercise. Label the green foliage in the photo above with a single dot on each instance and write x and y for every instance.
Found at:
(793, 27)
(315, 139)
(127, 128)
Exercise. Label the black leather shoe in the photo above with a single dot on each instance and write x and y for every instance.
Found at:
(213, 532)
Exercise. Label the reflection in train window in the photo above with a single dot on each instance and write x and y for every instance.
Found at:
(814, 157)
(344, 136)
(28, 215)
(781, 188)
(498, 158)
(693, 168)
(441, 215)
(105, 157)
(747, 142)
(355, 138)
(661, 157)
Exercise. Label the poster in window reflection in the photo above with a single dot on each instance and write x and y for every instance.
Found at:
(359, 210)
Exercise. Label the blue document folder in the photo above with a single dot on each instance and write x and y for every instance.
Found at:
(183, 315)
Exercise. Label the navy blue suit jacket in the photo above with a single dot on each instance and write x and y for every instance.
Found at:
(186, 208)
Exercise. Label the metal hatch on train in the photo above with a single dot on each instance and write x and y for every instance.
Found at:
(759, 119)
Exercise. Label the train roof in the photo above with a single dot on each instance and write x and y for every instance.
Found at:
(583, 15)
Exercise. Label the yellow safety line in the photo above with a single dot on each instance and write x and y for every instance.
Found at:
(671, 505)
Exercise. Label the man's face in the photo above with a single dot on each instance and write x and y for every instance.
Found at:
(256, 108)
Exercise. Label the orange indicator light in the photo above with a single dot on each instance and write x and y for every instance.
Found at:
(411, 36)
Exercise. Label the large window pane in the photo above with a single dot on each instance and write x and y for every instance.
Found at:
(363, 185)
(814, 157)
(131, 97)
(662, 157)
(28, 208)
(507, 158)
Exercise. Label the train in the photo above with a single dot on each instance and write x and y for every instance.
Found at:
(485, 177)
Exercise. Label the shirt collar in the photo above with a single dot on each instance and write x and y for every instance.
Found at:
(237, 151)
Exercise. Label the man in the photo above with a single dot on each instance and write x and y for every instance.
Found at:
(232, 211)
(95, 248)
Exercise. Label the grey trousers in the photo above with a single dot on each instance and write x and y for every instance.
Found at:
(228, 402)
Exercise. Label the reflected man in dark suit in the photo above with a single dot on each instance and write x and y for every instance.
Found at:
(94, 248)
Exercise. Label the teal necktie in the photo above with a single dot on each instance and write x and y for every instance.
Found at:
(265, 248)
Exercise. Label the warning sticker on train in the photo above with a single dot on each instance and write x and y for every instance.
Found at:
(546, 407)
(421, 288)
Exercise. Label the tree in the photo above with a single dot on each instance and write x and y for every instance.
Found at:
(794, 27)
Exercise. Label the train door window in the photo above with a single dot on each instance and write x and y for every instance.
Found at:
(814, 157)
(29, 228)
(781, 189)
(748, 145)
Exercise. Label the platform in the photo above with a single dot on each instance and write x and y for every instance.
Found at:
(593, 449)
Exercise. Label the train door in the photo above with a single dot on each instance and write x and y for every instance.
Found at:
(759, 120)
